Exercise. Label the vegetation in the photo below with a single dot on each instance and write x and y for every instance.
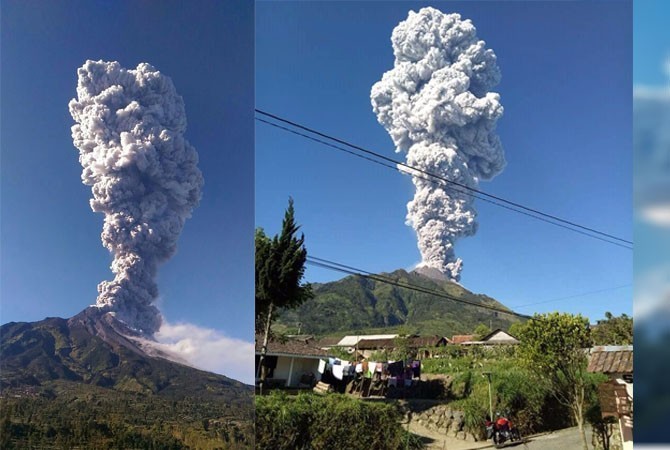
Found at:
(481, 331)
(553, 347)
(530, 405)
(63, 387)
(64, 414)
(309, 421)
(355, 303)
(280, 267)
(613, 330)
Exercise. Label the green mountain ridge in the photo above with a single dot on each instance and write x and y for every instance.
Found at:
(58, 375)
(355, 304)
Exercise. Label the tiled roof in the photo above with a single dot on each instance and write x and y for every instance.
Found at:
(460, 338)
(369, 344)
(291, 347)
(426, 341)
(611, 359)
(327, 341)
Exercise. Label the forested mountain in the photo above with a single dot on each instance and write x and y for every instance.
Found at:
(87, 381)
(355, 304)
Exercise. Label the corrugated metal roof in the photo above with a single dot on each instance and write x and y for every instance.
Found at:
(350, 341)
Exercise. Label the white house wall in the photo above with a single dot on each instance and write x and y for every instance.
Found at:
(300, 365)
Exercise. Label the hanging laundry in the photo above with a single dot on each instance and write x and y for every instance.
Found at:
(416, 369)
(395, 368)
(371, 367)
(338, 371)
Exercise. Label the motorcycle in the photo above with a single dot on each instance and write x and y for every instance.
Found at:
(502, 432)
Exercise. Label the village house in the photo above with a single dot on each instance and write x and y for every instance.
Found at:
(616, 395)
(293, 363)
(366, 345)
(496, 337)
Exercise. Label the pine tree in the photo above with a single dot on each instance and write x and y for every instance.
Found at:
(280, 268)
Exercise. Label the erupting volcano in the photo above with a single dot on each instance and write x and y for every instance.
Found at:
(437, 105)
(143, 176)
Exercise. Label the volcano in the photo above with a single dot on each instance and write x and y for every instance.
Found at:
(91, 380)
(355, 303)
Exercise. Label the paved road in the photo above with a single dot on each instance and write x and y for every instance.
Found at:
(566, 439)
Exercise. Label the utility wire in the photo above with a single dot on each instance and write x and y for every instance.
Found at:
(332, 265)
(534, 213)
(583, 294)
(440, 182)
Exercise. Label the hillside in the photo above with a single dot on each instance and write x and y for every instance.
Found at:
(87, 381)
(355, 304)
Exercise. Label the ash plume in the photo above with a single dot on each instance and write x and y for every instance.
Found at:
(436, 105)
(143, 176)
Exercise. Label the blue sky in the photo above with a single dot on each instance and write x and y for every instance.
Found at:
(566, 89)
(52, 257)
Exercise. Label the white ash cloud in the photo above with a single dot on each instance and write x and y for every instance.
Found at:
(143, 176)
(437, 107)
(207, 349)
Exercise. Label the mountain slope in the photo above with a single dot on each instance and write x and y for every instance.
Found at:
(95, 362)
(359, 304)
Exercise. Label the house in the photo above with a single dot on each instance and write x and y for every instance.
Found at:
(424, 344)
(366, 347)
(369, 344)
(352, 341)
(616, 395)
(290, 363)
(496, 337)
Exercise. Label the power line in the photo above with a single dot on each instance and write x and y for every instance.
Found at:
(440, 182)
(332, 265)
(499, 201)
(583, 294)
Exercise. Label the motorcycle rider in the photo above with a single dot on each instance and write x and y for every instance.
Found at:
(502, 423)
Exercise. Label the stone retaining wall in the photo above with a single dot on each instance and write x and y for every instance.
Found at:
(440, 418)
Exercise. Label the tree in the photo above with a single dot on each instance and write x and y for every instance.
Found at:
(613, 330)
(516, 329)
(280, 268)
(481, 331)
(554, 346)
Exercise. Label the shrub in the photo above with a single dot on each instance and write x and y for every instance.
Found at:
(309, 421)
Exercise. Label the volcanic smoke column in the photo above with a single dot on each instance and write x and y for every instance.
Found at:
(436, 105)
(143, 174)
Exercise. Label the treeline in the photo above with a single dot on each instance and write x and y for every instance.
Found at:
(118, 420)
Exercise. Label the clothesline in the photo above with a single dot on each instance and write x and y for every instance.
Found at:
(391, 370)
